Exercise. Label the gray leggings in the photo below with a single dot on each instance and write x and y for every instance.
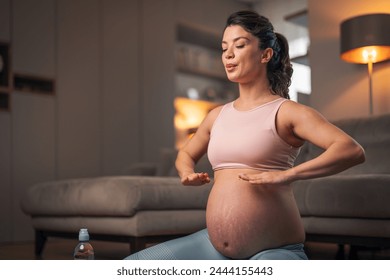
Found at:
(197, 246)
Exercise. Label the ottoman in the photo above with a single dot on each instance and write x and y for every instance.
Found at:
(134, 209)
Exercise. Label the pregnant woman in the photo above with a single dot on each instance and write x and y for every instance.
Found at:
(252, 143)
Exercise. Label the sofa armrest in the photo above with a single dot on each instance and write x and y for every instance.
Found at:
(349, 196)
(112, 196)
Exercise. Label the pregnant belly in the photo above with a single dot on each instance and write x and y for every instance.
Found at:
(243, 219)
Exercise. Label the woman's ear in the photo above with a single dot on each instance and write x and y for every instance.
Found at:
(267, 55)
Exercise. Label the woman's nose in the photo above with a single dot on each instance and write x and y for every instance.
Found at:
(229, 54)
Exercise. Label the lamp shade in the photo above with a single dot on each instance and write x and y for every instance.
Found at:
(365, 38)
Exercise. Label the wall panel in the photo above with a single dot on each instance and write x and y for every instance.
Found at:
(79, 89)
(5, 139)
(5, 177)
(33, 153)
(158, 37)
(120, 85)
(33, 37)
(5, 19)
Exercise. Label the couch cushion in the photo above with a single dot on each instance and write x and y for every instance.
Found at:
(144, 223)
(377, 159)
(357, 196)
(366, 130)
(373, 134)
(112, 196)
(300, 189)
(347, 227)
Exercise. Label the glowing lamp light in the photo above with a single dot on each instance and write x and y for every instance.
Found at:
(365, 39)
(364, 55)
(189, 115)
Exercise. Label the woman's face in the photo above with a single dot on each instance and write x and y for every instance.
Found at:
(241, 55)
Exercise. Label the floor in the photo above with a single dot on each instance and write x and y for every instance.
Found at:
(62, 249)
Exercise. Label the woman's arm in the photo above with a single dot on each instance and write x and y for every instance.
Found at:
(341, 151)
(193, 150)
(303, 123)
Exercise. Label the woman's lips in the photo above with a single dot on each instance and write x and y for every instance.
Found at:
(230, 66)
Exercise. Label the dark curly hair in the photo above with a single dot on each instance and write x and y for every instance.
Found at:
(279, 68)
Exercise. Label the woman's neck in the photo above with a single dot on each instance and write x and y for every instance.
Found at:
(254, 94)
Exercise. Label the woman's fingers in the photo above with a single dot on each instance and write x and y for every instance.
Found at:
(196, 179)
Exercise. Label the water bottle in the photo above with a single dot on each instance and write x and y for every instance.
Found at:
(84, 250)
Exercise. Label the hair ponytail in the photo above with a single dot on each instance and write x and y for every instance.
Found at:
(279, 68)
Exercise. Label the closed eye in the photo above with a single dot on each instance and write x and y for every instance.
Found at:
(238, 47)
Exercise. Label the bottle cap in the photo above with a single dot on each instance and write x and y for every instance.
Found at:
(83, 235)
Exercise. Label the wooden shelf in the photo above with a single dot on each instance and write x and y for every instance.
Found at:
(4, 101)
(5, 67)
(5, 76)
(202, 73)
(198, 36)
(198, 55)
(33, 84)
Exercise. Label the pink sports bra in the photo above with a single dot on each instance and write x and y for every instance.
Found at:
(248, 139)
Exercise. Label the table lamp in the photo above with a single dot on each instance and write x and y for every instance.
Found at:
(365, 39)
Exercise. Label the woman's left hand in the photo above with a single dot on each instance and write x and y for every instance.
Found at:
(267, 178)
(196, 179)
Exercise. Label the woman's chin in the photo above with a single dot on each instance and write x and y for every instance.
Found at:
(233, 78)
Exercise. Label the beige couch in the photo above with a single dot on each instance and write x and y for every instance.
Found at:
(150, 205)
(351, 207)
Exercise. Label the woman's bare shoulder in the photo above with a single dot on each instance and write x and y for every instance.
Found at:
(295, 111)
(210, 118)
(214, 113)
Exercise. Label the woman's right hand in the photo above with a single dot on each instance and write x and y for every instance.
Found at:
(195, 179)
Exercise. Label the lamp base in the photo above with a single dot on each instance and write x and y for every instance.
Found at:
(370, 65)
